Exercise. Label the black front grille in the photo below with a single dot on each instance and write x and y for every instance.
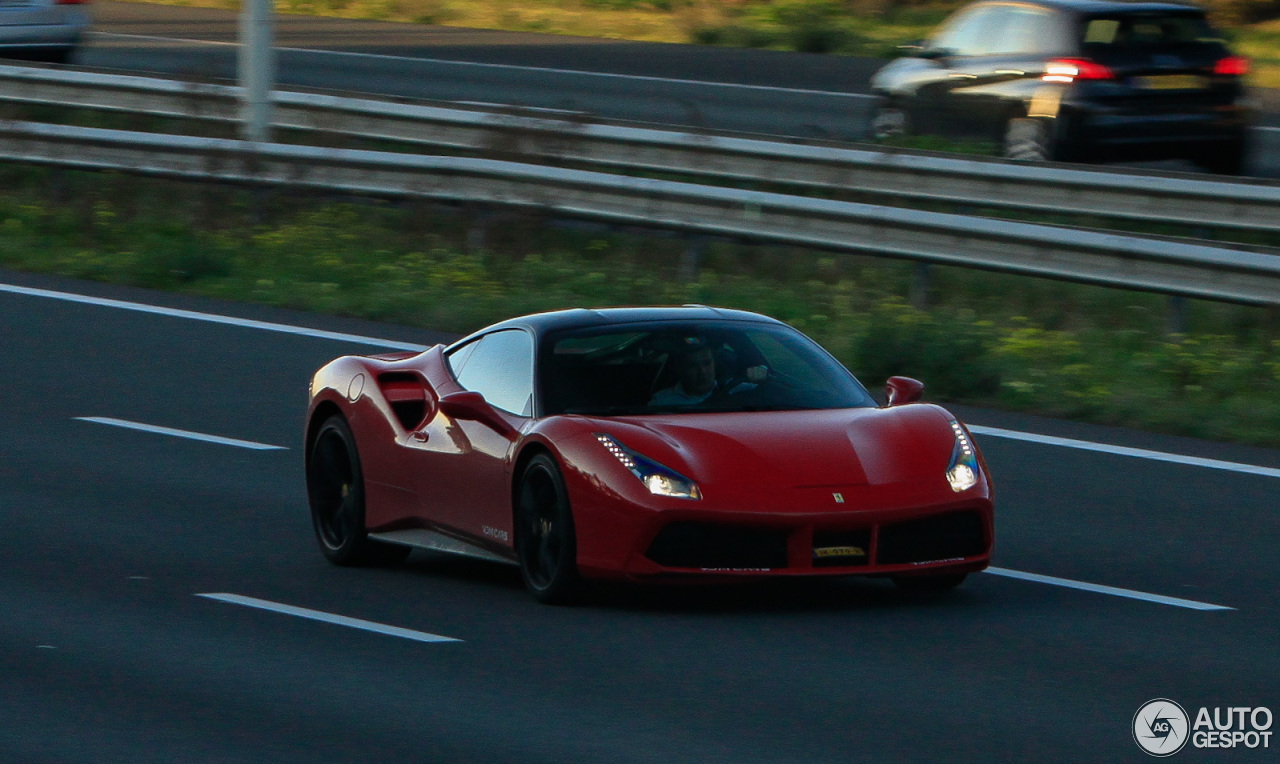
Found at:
(833, 549)
(941, 537)
(708, 545)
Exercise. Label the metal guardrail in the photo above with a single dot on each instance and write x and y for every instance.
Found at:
(1176, 267)
(1045, 188)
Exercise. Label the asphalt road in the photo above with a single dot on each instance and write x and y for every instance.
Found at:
(775, 93)
(107, 654)
(752, 91)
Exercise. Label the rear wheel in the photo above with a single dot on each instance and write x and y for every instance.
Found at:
(335, 489)
(545, 539)
(924, 584)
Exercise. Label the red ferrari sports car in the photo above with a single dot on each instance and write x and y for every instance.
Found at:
(642, 444)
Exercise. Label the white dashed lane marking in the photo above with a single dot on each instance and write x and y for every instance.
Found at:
(1137, 453)
(214, 318)
(181, 433)
(1114, 591)
(318, 615)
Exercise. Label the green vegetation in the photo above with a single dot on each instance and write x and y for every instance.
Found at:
(1261, 43)
(851, 27)
(1053, 348)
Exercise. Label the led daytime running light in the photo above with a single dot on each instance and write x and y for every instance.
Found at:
(660, 480)
(962, 472)
(617, 450)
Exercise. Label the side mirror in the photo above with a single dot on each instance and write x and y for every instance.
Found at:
(900, 390)
(473, 406)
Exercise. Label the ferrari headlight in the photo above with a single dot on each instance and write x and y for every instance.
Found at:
(660, 480)
(962, 472)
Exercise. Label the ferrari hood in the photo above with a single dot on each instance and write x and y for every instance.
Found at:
(796, 449)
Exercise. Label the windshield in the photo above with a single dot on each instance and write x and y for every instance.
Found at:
(673, 368)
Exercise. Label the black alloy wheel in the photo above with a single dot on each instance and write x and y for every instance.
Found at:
(545, 539)
(335, 489)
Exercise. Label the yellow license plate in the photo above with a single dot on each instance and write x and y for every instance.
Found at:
(1172, 82)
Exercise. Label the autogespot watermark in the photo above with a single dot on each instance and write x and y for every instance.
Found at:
(1162, 727)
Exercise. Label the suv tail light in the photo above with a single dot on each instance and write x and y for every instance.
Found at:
(1235, 66)
(1072, 69)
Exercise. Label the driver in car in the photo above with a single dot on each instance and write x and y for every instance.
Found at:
(697, 382)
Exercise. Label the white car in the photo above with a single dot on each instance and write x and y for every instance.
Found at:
(46, 30)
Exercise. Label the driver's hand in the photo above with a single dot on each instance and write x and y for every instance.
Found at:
(757, 374)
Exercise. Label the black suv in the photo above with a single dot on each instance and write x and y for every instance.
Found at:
(1074, 80)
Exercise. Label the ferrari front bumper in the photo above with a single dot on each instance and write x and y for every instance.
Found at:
(950, 538)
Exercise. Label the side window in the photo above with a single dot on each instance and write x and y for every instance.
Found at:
(1101, 31)
(972, 33)
(458, 358)
(1026, 30)
(499, 366)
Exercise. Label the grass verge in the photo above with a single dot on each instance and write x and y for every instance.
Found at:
(1058, 349)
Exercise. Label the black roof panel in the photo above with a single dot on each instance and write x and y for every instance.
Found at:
(575, 318)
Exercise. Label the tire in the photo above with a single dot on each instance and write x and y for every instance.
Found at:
(1028, 140)
(926, 584)
(335, 491)
(889, 121)
(544, 534)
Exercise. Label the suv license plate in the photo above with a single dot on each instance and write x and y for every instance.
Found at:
(1171, 82)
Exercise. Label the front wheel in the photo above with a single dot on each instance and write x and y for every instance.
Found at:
(335, 490)
(545, 540)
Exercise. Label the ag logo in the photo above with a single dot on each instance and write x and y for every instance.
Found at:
(1160, 727)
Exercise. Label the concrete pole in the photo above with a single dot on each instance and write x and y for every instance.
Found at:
(257, 70)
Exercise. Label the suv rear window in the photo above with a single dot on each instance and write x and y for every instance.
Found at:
(1147, 29)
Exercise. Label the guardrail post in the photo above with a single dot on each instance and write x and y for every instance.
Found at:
(691, 259)
(920, 279)
(256, 63)
(1177, 314)
(477, 238)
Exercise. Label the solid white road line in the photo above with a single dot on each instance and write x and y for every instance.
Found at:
(995, 432)
(1140, 453)
(511, 67)
(1100, 589)
(181, 433)
(210, 317)
(317, 615)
